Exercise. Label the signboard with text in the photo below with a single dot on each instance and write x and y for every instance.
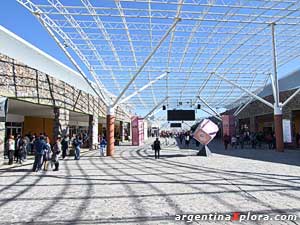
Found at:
(287, 133)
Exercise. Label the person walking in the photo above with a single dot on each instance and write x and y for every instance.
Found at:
(269, 139)
(187, 140)
(64, 146)
(226, 140)
(181, 138)
(11, 149)
(297, 139)
(242, 140)
(77, 144)
(253, 140)
(103, 144)
(20, 147)
(47, 155)
(32, 145)
(18, 143)
(156, 147)
(273, 141)
(40, 147)
(26, 146)
(233, 142)
(56, 153)
(259, 139)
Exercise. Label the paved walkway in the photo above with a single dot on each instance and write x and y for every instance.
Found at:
(133, 188)
(30, 159)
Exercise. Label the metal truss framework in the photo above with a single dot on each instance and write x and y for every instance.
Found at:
(221, 50)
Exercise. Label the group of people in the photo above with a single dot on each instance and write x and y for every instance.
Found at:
(156, 146)
(253, 139)
(17, 148)
(40, 146)
(45, 153)
(184, 137)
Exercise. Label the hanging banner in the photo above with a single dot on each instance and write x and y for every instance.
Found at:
(228, 124)
(3, 108)
(206, 131)
(137, 125)
(135, 130)
(287, 133)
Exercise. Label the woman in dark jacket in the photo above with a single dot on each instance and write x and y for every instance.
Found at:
(64, 146)
(156, 147)
(56, 153)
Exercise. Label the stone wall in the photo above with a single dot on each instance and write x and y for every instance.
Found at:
(258, 108)
(28, 84)
(2, 141)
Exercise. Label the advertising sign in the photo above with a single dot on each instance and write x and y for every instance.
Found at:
(135, 131)
(137, 125)
(287, 133)
(206, 131)
(228, 124)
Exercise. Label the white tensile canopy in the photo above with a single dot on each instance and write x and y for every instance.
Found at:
(179, 53)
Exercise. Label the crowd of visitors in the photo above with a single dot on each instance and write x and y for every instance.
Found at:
(184, 137)
(241, 140)
(19, 147)
(251, 139)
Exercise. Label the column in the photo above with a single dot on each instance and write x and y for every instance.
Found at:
(252, 125)
(278, 128)
(237, 125)
(110, 131)
(61, 122)
(2, 141)
(277, 108)
(93, 132)
(3, 114)
(122, 131)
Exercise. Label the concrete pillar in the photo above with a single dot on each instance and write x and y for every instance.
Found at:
(278, 128)
(93, 131)
(110, 131)
(2, 142)
(61, 122)
(122, 131)
(252, 125)
(237, 126)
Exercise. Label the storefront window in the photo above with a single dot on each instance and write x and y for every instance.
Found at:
(13, 128)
